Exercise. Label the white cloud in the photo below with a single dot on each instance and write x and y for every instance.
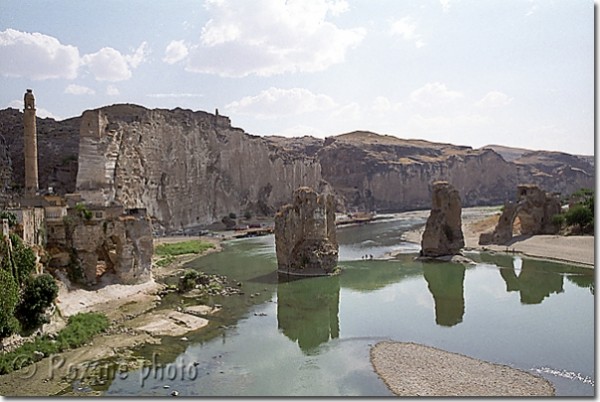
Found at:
(268, 37)
(406, 28)
(445, 5)
(382, 105)
(39, 111)
(75, 89)
(434, 93)
(36, 56)
(175, 51)
(534, 7)
(276, 102)
(350, 112)
(109, 64)
(446, 124)
(494, 99)
(112, 90)
(138, 56)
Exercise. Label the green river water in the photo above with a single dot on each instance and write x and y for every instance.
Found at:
(311, 337)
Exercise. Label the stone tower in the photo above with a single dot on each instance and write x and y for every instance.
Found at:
(31, 159)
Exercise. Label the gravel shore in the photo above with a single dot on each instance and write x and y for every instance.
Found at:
(410, 369)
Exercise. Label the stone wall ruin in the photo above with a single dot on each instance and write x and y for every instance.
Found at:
(443, 231)
(305, 238)
(534, 209)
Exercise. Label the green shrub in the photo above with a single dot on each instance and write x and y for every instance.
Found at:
(558, 220)
(24, 259)
(247, 215)
(38, 294)
(12, 218)
(232, 215)
(184, 247)
(9, 297)
(579, 215)
(79, 330)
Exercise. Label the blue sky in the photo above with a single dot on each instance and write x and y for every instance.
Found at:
(470, 72)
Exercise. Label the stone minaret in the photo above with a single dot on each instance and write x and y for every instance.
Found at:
(31, 157)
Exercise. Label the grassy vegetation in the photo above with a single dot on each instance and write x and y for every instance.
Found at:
(79, 330)
(184, 247)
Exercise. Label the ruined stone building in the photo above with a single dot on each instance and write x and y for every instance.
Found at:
(443, 230)
(81, 233)
(534, 209)
(305, 237)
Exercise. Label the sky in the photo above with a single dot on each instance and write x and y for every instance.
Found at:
(518, 73)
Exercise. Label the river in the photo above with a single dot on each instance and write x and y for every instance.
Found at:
(311, 337)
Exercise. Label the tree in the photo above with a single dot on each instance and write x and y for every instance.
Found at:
(9, 296)
(579, 215)
(24, 259)
(38, 294)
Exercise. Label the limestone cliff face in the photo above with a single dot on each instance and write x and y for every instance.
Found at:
(187, 168)
(385, 173)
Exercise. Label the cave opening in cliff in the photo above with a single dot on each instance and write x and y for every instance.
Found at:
(107, 257)
(516, 227)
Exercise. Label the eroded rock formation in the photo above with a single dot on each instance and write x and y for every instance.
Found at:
(112, 242)
(534, 208)
(443, 231)
(186, 168)
(305, 238)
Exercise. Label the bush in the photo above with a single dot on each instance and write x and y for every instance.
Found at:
(9, 297)
(12, 218)
(558, 220)
(38, 295)
(232, 215)
(579, 215)
(247, 215)
(24, 259)
(80, 329)
(184, 247)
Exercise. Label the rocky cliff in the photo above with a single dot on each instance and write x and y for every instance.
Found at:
(187, 168)
(192, 168)
(58, 149)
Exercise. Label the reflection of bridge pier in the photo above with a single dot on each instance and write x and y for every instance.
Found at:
(307, 311)
(533, 284)
(445, 282)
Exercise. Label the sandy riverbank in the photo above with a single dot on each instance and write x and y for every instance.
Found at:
(411, 369)
(571, 249)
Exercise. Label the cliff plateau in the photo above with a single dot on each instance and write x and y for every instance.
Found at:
(191, 168)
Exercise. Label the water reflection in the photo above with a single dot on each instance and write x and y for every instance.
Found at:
(445, 282)
(307, 311)
(533, 285)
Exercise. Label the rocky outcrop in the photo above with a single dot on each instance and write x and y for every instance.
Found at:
(534, 208)
(186, 168)
(116, 243)
(305, 238)
(443, 230)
